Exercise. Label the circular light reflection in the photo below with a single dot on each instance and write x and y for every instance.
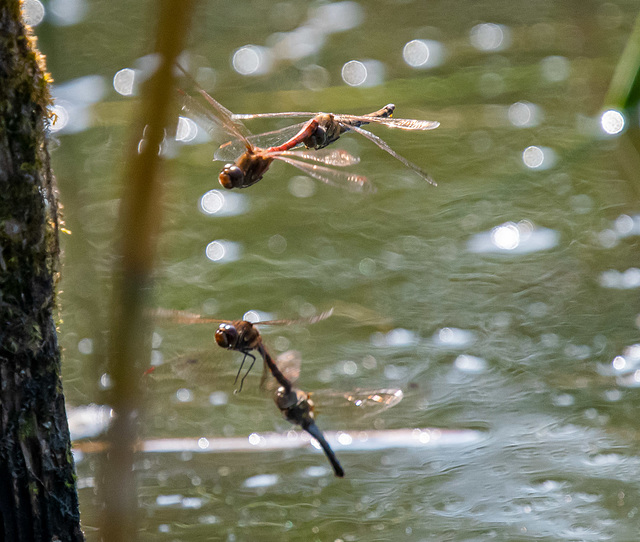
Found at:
(186, 130)
(423, 54)
(555, 68)
(300, 43)
(354, 73)
(123, 81)
(338, 16)
(624, 224)
(251, 60)
(105, 381)
(349, 367)
(85, 346)
(219, 203)
(212, 202)
(252, 316)
(490, 37)
(218, 398)
(184, 395)
(524, 114)
(223, 251)
(454, 337)
(315, 77)
(301, 186)
(32, 12)
(367, 266)
(368, 73)
(612, 121)
(470, 364)
(535, 157)
(506, 236)
(67, 12)
(277, 244)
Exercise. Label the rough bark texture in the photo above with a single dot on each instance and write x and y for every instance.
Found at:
(38, 498)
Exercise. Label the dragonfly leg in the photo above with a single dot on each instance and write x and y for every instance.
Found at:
(253, 358)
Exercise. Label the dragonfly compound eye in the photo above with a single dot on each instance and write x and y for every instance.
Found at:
(226, 336)
(231, 177)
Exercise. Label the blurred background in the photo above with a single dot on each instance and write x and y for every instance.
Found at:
(502, 303)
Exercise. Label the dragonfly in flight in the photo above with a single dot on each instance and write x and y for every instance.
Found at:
(297, 406)
(239, 335)
(251, 162)
(322, 129)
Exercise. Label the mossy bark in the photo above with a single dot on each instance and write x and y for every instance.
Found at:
(38, 497)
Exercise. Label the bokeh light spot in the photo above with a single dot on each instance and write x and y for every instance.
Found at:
(354, 73)
(367, 73)
(123, 81)
(251, 60)
(535, 157)
(490, 37)
(32, 12)
(612, 122)
(186, 130)
(423, 54)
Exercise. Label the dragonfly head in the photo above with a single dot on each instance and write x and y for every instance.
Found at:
(231, 176)
(226, 336)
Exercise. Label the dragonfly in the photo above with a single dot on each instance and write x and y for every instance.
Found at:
(239, 335)
(322, 129)
(251, 162)
(297, 406)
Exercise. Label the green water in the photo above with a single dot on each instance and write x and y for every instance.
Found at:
(558, 459)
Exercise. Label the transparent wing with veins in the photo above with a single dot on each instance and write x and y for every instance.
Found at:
(347, 120)
(326, 175)
(229, 151)
(213, 123)
(385, 147)
(186, 317)
(212, 370)
(367, 401)
(232, 149)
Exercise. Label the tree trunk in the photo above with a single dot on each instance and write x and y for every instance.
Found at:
(38, 497)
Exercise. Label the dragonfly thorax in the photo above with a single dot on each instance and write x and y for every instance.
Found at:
(326, 132)
(247, 170)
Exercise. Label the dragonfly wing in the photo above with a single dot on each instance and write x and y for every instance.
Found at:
(385, 147)
(330, 157)
(215, 113)
(198, 368)
(230, 150)
(329, 176)
(403, 124)
(283, 115)
(311, 320)
(365, 401)
(183, 317)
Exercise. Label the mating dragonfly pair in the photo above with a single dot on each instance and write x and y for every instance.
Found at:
(250, 156)
(295, 404)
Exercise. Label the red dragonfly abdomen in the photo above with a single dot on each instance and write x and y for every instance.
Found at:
(307, 130)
